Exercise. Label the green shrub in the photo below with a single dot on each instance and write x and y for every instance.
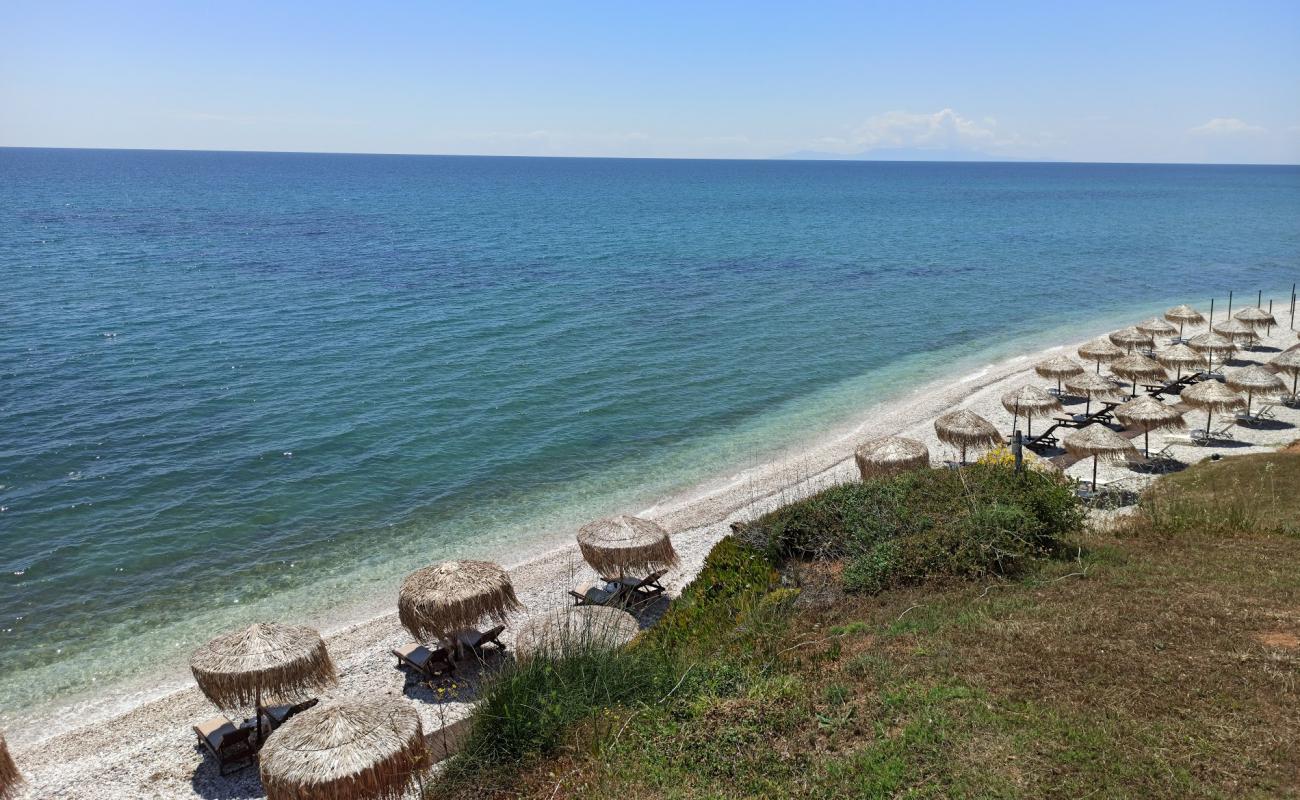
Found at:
(984, 518)
(708, 643)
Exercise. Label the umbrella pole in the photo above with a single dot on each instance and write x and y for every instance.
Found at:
(1087, 406)
(1146, 443)
(1058, 387)
(963, 455)
(1249, 396)
(1094, 472)
(1029, 424)
(1208, 416)
(258, 717)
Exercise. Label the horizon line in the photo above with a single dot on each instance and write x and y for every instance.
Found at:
(766, 159)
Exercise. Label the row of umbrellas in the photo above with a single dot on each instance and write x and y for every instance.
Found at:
(374, 747)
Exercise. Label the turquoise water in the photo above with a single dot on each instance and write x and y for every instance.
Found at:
(267, 385)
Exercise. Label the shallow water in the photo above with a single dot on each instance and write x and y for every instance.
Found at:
(238, 386)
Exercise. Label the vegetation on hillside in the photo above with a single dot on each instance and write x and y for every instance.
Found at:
(1158, 661)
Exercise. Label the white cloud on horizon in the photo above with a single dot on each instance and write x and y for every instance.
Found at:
(942, 130)
(1227, 126)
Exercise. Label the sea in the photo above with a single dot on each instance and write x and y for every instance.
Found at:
(244, 386)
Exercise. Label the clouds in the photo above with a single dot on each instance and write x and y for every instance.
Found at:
(945, 129)
(1227, 126)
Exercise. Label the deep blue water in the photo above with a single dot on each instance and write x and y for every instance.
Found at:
(253, 385)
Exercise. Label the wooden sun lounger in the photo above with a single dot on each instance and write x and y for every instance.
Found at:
(228, 744)
(425, 662)
(593, 594)
(278, 715)
(474, 641)
(645, 588)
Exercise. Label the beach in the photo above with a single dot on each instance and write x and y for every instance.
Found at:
(150, 752)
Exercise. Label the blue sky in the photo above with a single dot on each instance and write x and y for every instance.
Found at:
(1095, 81)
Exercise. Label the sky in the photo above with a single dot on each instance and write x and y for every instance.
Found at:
(1092, 81)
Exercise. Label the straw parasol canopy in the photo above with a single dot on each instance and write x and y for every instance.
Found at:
(285, 662)
(1149, 414)
(1100, 351)
(581, 628)
(1288, 362)
(1028, 401)
(10, 777)
(1212, 396)
(1211, 345)
(1090, 385)
(1254, 380)
(1131, 337)
(966, 429)
(1136, 367)
(1058, 367)
(1184, 315)
(1235, 330)
(1156, 327)
(1178, 357)
(1098, 441)
(346, 750)
(1256, 317)
(615, 545)
(891, 455)
(438, 600)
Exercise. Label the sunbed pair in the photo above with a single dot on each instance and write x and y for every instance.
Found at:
(624, 590)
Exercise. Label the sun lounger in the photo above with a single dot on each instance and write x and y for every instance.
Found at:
(427, 663)
(474, 642)
(228, 744)
(595, 594)
(1221, 434)
(278, 715)
(645, 588)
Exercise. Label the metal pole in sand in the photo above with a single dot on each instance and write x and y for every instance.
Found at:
(1229, 304)
(1269, 330)
(1211, 322)
(1259, 299)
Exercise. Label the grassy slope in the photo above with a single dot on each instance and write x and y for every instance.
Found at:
(1161, 662)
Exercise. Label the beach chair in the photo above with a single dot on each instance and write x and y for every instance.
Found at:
(278, 715)
(1223, 433)
(228, 744)
(642, 589)
(594, 594)
(475, 642)
(426, 663)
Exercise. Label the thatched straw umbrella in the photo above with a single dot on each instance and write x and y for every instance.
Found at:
(1288, 362)
(1235, 330)
(1131, 337)
(582, 628)
(284, 662)
(1254, 380)
(1211, 345)
(616, 545)
(1134, 368)
(1101, 351)
(1156, 327)
(891, 455)
(1212, 396)
(1256, 318)
(1089, 386)
(1149, 414)
(1184, 315)
(346, 750)
(966, 429)
(1029, 400)
(1058, 367)
(1179, 356)
(1098, 441)
(439, 600)
(10, 777)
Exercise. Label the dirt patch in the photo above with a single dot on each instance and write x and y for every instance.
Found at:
(1287, 641)
(1294, 447)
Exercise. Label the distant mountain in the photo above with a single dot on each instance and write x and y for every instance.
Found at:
(901, 154)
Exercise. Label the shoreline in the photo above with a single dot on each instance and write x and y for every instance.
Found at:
(155, 731)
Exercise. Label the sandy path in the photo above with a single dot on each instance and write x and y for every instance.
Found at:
(149, 752)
